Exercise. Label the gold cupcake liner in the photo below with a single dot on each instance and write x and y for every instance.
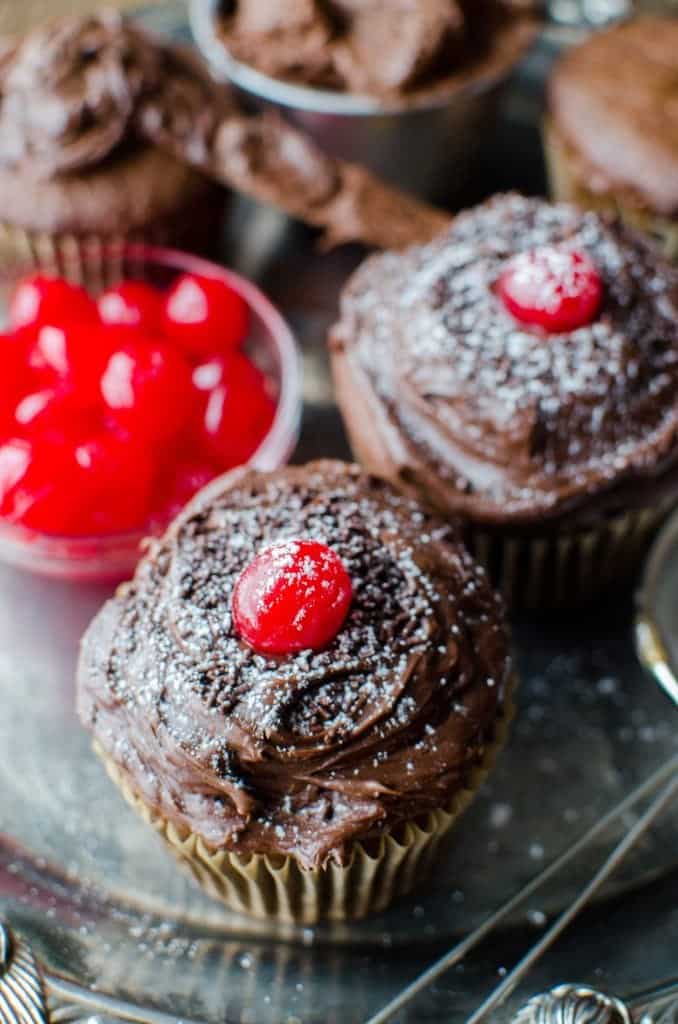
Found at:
(279, 889)
(566, 569)
(566, 186)
(97, 261)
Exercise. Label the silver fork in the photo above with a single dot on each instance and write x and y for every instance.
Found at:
(571, 1004)
(665, 779)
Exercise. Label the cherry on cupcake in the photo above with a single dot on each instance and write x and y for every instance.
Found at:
(552, 287)
(294, 596)
(146, 388)
(205, 315)
(132, 304)
(237, 415)
(41, 299)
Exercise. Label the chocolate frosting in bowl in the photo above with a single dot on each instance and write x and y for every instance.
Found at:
(389, 49)
(81, 90)
(449, 396)
(298, 755)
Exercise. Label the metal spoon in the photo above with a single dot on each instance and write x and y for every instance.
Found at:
(577, 1003)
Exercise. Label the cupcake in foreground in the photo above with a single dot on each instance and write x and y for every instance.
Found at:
(75, 174)
(521, 373)
(612, 127)
(301, 689)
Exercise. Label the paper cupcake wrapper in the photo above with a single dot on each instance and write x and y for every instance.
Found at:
(567, 187)
(566, 569)
(278, 888)
(96, 261)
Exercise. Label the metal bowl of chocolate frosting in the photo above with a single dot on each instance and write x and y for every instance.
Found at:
(405, 92)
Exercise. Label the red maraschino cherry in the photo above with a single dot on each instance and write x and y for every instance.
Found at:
(105, 424)
(56, 414)
(132, 304)
(205, 315)
(146, 388)
(114, 484)
(41, 299)
(14, 376)
(73, 354)
(238, 413)
(552, 287)
(37, 486)
(294, 596)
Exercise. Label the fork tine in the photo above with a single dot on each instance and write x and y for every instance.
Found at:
(514, 977)
(459, 951)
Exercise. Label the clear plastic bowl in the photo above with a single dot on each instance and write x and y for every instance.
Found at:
(270, 344)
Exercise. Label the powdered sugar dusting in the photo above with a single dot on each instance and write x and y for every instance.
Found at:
(512, 419)
(321, 744)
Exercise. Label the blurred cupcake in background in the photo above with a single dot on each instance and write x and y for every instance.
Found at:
(611, 133)
(75, 177)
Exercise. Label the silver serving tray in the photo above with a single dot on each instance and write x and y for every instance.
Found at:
(100, 900)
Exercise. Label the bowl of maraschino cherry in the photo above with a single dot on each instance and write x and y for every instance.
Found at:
(116, 407)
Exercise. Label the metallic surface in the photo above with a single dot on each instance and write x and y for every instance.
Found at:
(577, 1004)
(99, 901)
(656, 637)
(571, 1004)
(534, 888)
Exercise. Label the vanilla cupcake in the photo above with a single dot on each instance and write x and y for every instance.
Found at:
(301, 690)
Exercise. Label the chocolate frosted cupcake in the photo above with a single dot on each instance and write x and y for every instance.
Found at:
(521, 373)
(75, 176)
(301, 689)
(612, 126)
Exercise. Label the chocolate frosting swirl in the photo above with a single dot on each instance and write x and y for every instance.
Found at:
(302, 754)
(445, 392)
(68, 92)
(83, 90)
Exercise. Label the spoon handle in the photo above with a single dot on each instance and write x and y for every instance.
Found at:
(514, 977)
(578, 1003)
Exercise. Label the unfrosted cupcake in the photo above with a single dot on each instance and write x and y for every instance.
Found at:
(612, 128)
(521, 373)
(301, 689)
(75, 177)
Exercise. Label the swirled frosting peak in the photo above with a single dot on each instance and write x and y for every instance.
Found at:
(68, 92)
(303, 753)
(447, 392)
